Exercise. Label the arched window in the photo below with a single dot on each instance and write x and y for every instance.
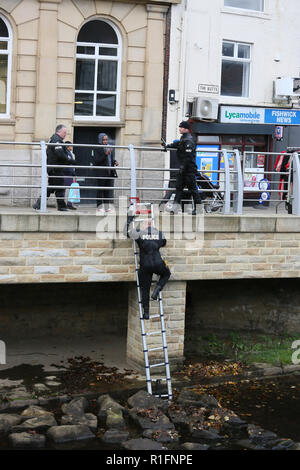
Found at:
(5, 66)
(98, 72)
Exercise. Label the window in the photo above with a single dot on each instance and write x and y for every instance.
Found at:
(235, 69)
(98, 64)
(5, 67)
(256, 5)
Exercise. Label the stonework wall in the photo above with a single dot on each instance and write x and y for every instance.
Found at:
(174, 313)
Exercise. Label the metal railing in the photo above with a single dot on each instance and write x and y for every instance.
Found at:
(239, 181)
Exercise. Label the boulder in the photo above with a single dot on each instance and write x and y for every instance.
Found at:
(188, 397)
(194, 446)
(107, 403)
(27, 440)
(143, 399)
(161, 436)
(41, 423)
(151, 419)
(115, 436)
(67, 433)
(88, 419)
(260, 436)
(34, 411)
(114, 419)
(7, 421)
(75, 407)
(142, 444)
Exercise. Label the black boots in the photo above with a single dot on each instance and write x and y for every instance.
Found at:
(146, 314)
(155, 293)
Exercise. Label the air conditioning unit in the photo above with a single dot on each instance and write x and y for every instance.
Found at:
(205, 108)
(287, 86)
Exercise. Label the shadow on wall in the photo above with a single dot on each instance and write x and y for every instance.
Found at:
(250, 305)
(63, 310)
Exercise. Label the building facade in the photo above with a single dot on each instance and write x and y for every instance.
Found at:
(93, 65)
(238, 77)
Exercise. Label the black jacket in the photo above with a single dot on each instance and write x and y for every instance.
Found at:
(149, 242)
(101, 159)
(186, 153)
(57, 155)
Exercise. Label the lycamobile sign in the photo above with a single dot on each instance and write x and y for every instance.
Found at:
(241, 115)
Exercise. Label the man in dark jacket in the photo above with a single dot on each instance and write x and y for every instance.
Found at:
(188, 170)
(149, 241)
(56, 155)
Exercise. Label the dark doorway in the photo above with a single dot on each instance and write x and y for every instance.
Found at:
(84, 156)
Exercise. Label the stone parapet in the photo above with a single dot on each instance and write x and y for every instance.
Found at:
(86, 248)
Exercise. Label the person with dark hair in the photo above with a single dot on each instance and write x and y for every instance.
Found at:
(186, 156)
(149, 241)
(70, 175)
(56, 155)
(103, 156)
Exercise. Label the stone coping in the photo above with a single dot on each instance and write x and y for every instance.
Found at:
(26, 221)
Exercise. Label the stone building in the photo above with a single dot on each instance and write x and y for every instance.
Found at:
(94, 65)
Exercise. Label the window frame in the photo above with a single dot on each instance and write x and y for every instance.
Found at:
(96, 57)
(237, 59)
(248, 9)
(8, 53)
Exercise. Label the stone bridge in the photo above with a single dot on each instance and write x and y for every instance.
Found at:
(82, 248)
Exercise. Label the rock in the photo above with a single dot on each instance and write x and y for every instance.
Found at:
(114, 419)
(75, 407)
(203, 434)
(27, 440)
(281, 444)
(194, 446)
(19, 393)
(40, 387)
(142, 444)
(178, 417)
(188, 397)
(143, 399)
(88, 419)
(67, 433)
(245, 444)
(35, 411)
(107, 403)
(161, 436)
(7, 421)
(52, 383)
(259, 435)
(151, 419)
(115, 436)
(41, 423)
(19, 404)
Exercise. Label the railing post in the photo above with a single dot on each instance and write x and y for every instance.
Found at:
(238, 185)
(44, 178)
(296, 185)
(132, 172)
(226, 207)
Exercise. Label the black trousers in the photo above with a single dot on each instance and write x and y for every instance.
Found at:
(59, 192)
(187, 180)
(105, 196)
(145, 278)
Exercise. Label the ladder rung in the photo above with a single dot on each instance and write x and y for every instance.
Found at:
(154, 316)
(159, 378)
(158, 365)
(156, 349)
(153, 333)
(140, 220)
(162, 396)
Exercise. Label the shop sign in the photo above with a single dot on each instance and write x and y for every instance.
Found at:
(243, 115)
(208, 88)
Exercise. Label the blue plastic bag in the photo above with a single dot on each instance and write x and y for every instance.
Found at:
(74, 193)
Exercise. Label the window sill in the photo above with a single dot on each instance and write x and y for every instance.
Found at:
(6, 121)
(242, 12)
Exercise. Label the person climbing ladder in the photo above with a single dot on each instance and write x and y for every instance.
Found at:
(149, 241)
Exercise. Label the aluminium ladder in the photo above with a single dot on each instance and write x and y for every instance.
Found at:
(162, 331)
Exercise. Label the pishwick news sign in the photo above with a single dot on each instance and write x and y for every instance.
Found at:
(276, 116)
